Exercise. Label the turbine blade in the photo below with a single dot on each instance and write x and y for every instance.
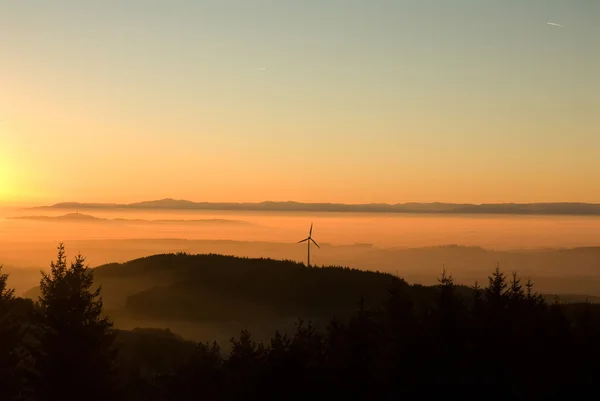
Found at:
(315, 242)
(304, 240)
(310, 233)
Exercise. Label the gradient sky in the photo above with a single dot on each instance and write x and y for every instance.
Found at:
(308, 100)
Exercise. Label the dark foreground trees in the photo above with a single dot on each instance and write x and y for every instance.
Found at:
(500, 342)
(74, 359)
(503, 343)
(11, 352)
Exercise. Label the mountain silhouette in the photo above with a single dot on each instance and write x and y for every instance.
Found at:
(78, 217)
(66, 217)
(561, 208)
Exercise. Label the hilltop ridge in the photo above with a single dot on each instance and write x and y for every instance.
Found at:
(557, 208)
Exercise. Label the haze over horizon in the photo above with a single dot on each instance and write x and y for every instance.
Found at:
(314, 101)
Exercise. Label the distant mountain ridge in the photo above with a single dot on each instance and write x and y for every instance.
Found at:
(561, 208)
(79, 217)
(66, 217)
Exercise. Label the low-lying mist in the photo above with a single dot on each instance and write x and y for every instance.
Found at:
(573, 271)
(557, 252)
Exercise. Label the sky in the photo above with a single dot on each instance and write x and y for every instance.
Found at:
(353, 101)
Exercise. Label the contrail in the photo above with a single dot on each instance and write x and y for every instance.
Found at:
(555, 24)
(261, 69)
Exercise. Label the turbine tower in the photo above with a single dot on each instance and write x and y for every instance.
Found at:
(308, 240)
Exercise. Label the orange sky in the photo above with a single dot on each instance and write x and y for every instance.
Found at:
(351, 102)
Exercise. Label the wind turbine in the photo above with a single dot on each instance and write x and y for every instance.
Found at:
(308, 240)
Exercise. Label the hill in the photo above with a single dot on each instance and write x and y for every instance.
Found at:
(219, 288)
(79, 217)
(560, 208)
(212, 287)
(66, 217)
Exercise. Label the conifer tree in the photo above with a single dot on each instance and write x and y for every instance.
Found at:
(496, 289)
(496, 295)
(448, 312)
(515, 291)
(447, 294)
(76, 357)
(530, 294)
(447, 332)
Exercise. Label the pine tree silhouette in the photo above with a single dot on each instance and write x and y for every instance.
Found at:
(496, 289)
(515, 290)
(76, 358)
(448, 321)
(448, 313)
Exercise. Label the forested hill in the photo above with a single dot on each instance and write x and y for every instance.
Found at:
(215, 288)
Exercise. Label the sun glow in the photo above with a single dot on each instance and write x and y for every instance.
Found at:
(7, 179)
(5, 187)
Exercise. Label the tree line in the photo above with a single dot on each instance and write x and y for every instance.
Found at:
(501, 342)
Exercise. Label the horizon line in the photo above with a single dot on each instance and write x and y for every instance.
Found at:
(563, 202)
(441, 208)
